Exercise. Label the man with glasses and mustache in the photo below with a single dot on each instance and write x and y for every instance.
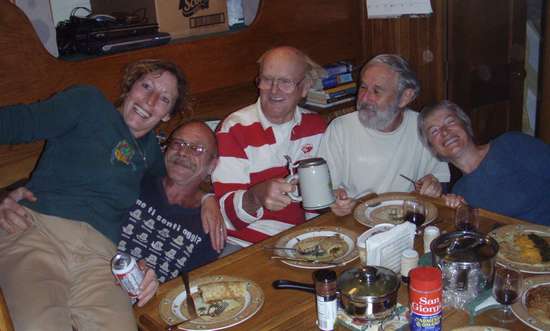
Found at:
(369, 149)
(164, 227)
(253, 142)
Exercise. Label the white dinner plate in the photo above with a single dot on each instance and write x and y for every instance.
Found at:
(510, 253)
(387, 208)
(346, 238)
(173, 307)
(520, 308)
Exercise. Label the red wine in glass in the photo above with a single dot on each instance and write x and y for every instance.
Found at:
(465, 227)
(466, 218)
(415, 218)
(506, 296)
(506, 286)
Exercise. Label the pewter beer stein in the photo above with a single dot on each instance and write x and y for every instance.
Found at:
(314, 184)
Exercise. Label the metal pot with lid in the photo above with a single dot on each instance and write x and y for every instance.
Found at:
(368, 292)
(365, 292)
(467, 262)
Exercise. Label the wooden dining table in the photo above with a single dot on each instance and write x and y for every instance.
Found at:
(296, 310)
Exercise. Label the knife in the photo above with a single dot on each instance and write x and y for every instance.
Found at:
(188, 297)
(190, 304)
(295, 259)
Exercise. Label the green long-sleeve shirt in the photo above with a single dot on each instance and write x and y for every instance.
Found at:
(91, 167)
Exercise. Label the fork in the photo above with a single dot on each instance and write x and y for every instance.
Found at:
(217, 308)
(317, 250)
(409, 179)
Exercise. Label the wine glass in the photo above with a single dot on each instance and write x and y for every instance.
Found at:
(414, 212)
(466, 218)
(506, 287)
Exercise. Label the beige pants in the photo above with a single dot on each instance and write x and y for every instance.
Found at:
(56, 276)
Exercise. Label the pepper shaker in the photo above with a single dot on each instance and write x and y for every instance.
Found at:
(325, 292)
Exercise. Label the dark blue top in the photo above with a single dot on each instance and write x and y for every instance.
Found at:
(91, 167)
(513, 179)
(169, 237)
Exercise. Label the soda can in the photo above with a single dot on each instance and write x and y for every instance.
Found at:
(128, 273)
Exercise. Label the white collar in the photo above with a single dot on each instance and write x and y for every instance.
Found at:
(266, 124)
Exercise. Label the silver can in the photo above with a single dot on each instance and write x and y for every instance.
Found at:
(128, 273)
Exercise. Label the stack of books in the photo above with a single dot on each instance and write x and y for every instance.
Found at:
(338, 87)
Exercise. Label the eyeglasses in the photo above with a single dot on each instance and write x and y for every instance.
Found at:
(284, 84)
(178, 145)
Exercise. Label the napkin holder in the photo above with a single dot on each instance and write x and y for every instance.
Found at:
(384, 249)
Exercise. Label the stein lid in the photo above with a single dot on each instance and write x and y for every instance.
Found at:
(311, 162)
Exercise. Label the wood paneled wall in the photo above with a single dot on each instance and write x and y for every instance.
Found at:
(421, 40)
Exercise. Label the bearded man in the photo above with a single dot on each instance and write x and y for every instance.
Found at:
(369, 149)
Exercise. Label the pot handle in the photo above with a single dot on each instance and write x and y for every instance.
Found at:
(282, 284)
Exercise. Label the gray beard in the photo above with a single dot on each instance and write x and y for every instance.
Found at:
(377, 120)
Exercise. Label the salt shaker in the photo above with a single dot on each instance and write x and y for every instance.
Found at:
(409, 261)
(430, 233)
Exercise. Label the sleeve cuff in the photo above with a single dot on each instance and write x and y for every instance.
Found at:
(241, 213)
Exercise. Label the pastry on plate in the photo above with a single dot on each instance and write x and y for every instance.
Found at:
(213, 292)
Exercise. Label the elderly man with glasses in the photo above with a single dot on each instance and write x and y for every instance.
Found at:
(253, 142)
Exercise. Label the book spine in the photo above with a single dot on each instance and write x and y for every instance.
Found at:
(349, 91)
(331, 100)
(324, 96)
(339, 98)
(338, 68)
(341, 87)
(329, 105)
(325, 92)
(336, 80)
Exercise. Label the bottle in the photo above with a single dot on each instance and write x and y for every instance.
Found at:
(325, 292)
(430, 233)
(425, 299)
(409, 261)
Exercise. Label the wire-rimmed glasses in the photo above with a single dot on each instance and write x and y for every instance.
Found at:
(284, 84)
(179, 144)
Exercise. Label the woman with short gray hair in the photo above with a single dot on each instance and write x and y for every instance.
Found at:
(510, 175)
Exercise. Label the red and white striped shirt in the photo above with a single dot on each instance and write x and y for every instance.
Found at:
(251, 151)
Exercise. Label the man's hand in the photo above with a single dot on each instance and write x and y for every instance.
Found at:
(271, 194)
(344, 205)
(453, 200)
(429, 186)
(212, 223)
(13, 217)
(148, 286)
